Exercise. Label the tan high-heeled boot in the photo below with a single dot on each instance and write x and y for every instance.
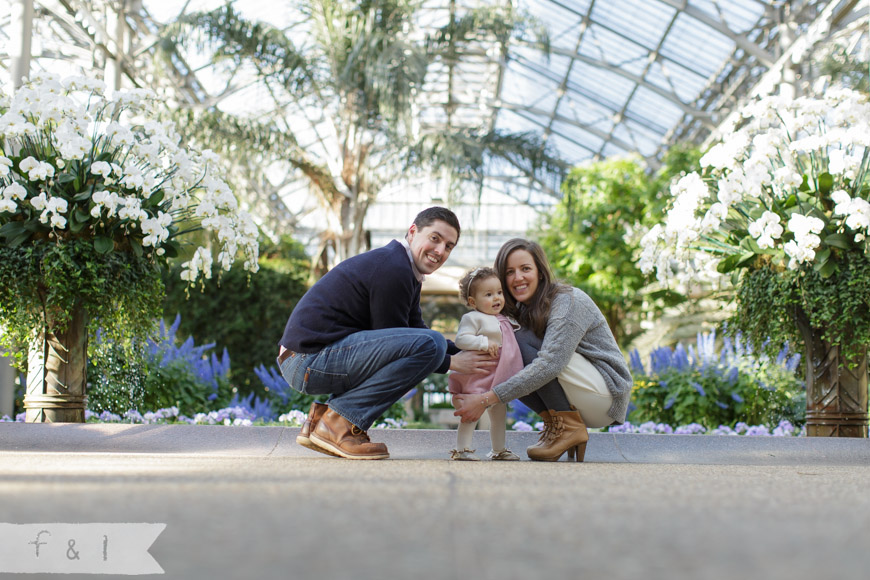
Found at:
(568, 433)
(545, 432)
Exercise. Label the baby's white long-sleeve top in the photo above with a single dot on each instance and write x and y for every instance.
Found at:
(476, 330)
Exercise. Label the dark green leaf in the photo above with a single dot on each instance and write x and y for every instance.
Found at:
(18, 239)
(745, 258)
(826, 183)
(12, 228)
(155, 198)
(748, 243)
(841, 241)
(822, 256)
(805, 185)
(78, 220)
(103, 245)
(171, 249)
(728, 264)
(735, 277)
(829, 268)
(66, 177)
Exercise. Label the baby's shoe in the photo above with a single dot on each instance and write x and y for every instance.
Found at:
(503, 455)
(464, 455)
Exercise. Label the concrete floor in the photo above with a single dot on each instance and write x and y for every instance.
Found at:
(255, 512)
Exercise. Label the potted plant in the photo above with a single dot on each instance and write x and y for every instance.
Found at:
(781, 205)
(96, 195)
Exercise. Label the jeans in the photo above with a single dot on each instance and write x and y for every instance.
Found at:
(367, 371)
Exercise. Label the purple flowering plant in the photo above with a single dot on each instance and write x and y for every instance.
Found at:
(713, 384)
(785, 428)
(157, 372)
(189, 383)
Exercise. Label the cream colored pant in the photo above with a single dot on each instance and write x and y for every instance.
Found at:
(586, 390)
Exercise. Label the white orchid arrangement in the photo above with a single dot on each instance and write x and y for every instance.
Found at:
(78, 164)
(787, 187)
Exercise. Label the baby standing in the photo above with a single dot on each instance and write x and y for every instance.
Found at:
(485, 329)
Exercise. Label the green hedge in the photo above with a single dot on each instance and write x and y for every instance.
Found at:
(244, 314)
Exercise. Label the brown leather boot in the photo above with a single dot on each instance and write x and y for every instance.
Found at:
(314, 414)
(336, 434)
(545, 432)
(568, 433)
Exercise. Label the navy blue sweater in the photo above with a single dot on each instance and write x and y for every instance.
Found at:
(370, 291)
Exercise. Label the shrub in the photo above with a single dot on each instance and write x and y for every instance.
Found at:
(157, 373)
(246, 314)
(164, 373)
(699, 385)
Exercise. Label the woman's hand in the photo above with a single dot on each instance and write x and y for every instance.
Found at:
(469, 408)
(471, 362)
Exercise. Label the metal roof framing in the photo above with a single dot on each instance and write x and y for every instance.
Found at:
(622, 76)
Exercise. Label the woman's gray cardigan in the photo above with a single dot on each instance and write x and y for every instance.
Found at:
(575, 325)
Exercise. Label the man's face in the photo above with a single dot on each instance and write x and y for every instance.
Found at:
(431, 245)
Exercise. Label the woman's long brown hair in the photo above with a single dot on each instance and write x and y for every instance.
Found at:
(535, 314)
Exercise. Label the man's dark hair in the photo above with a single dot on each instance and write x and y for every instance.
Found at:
(428, 216)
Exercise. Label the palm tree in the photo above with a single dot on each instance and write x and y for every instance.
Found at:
(363, 69)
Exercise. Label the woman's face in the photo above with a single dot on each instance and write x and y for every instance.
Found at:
(521, 275)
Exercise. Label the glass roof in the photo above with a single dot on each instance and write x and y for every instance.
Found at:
(621, 76)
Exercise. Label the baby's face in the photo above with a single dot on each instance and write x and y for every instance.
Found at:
(488, 297)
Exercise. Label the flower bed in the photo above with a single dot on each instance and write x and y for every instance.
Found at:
(240, 416)
(233, 416)
(783, 429)
(712, 385)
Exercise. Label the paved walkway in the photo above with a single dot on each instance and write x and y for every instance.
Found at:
(247, 502)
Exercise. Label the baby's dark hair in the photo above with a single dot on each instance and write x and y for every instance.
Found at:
(472, 277)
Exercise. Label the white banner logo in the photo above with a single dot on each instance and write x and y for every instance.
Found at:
(78, 548)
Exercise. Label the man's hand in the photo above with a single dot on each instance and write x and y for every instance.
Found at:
(471, 362)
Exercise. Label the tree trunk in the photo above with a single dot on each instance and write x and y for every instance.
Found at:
(57, 374)
(836, 391)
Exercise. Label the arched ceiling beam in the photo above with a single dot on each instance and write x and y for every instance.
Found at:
(653, 55)
(701, 115)
(612, 107)
(589, 21)
(604, 135)
(740, 40)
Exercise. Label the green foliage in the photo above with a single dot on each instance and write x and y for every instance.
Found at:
(145, 384)
(247, 314)
(157, 373)
(175, 384)
(770, 299)
(593, 235)
(41, 283)
(116, 376)
(713, 389)
(843, 67)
